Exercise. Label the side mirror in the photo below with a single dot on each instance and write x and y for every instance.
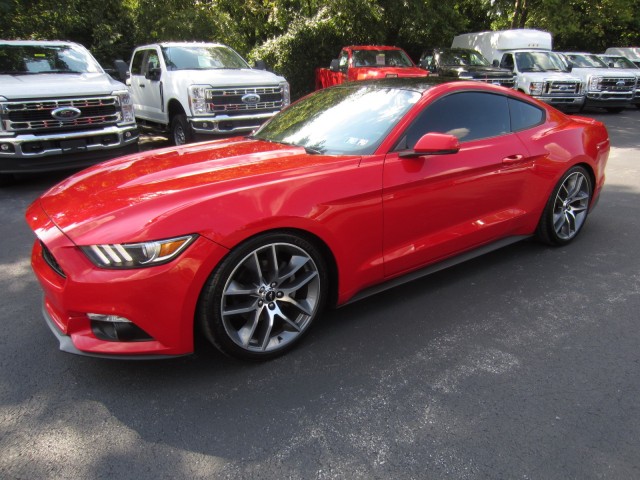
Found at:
(433, 144)
(496, 63)
(335, 65)
(122, 70)
(260, 65)
(569, 66)
(153, 73)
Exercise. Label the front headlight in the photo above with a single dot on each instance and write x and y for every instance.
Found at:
(126, 106)
(198, 99)
(286, 96)
(536, 88)
(137, 255)
(594, 83)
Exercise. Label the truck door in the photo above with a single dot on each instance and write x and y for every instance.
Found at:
(146, 87)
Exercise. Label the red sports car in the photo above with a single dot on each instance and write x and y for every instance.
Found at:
(348, 191)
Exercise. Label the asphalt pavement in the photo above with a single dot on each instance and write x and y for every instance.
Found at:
(524, 363)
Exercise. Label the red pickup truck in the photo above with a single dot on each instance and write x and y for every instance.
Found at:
(367, 62)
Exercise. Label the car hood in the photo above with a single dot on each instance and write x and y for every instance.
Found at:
(227, 77)
(365, 73)
(140, 190)
(49, 85)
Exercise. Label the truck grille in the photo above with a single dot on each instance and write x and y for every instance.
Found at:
(609, 84)
(35, 116)
(562, 87)
(229, 100)
(503, 82)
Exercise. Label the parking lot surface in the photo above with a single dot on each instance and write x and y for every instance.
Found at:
(523, 363)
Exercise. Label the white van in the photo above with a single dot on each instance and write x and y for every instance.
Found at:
(540, 72)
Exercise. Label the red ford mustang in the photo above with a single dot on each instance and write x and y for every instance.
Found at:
(350, 190)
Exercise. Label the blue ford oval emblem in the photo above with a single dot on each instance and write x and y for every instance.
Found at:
(251, 98)
(620, 83)
(65, 113)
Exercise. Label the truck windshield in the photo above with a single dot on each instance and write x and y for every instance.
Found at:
(539, 62)
(586, 61)
(463, 58)
(19, 59)
(618, 62)
(202, 57)
(351, 120)
(381, 58)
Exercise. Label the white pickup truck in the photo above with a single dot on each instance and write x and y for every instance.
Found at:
(59, 109)
(191, 90)
(539, 72)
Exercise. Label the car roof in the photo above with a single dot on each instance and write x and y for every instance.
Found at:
(26, 43)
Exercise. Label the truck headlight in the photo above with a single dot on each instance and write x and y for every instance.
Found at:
(126, 106)
(286, 96)
(136, 255)
(594, 83)
(536, 88)
(198, 99)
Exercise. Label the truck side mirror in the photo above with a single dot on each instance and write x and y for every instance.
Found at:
(122, 70)
(335, 65)
(496, 63)
(260, 65)
(153, 73)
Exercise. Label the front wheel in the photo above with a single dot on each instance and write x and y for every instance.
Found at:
(264, 296)
(567, 208)
(180, 130)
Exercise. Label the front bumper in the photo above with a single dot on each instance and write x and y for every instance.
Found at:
(560, 102)
(608, 99)
(228, 125)
(160, 301)
(61, 151)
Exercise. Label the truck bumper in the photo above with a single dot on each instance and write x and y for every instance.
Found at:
(608, 99)
(563, 103)
(62, 151)
(228, 125)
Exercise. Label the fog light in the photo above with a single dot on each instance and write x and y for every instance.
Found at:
(6, 147)
(127, 134)
(107, 318)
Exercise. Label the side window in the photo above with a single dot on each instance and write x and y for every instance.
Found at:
(466, 115)
(343, 59)
(138, 62)
(524, 115)
(152, 60)
(507, 61)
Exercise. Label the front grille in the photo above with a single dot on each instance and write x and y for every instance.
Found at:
(611, 84)
(228, 100)
(562, 87)
(503, 82)
(35, 116)
(51, 261)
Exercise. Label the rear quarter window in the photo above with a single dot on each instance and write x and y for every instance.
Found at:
(524, 115)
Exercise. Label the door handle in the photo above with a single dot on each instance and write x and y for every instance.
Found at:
(512, 159)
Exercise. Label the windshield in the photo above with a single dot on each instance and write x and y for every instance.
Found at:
(618, 62)
(586, 61)
(340, 121)
(463, 58)
(202, 57)
(539, 62)
(381, 58)
(36, 59)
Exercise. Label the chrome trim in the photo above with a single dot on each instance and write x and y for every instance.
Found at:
(260, 118)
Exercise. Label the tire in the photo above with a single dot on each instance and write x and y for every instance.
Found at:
(6, 179)
(614, 109)
(264, 296)
(567, 208)
(180, 130)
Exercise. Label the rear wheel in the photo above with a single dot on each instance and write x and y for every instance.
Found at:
(567, 208)
(180, 130)
(264, 296)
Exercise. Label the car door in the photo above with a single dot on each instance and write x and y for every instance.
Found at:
(439, 205)
(146, 90)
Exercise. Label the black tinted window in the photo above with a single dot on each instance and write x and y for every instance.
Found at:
(467, 115)
(524, 115)
(136, 65)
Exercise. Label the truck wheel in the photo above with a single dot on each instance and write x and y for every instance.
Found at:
(615, 109)
(180, 130)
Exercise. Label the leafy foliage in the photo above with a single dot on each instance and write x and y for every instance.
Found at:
(297, 36)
